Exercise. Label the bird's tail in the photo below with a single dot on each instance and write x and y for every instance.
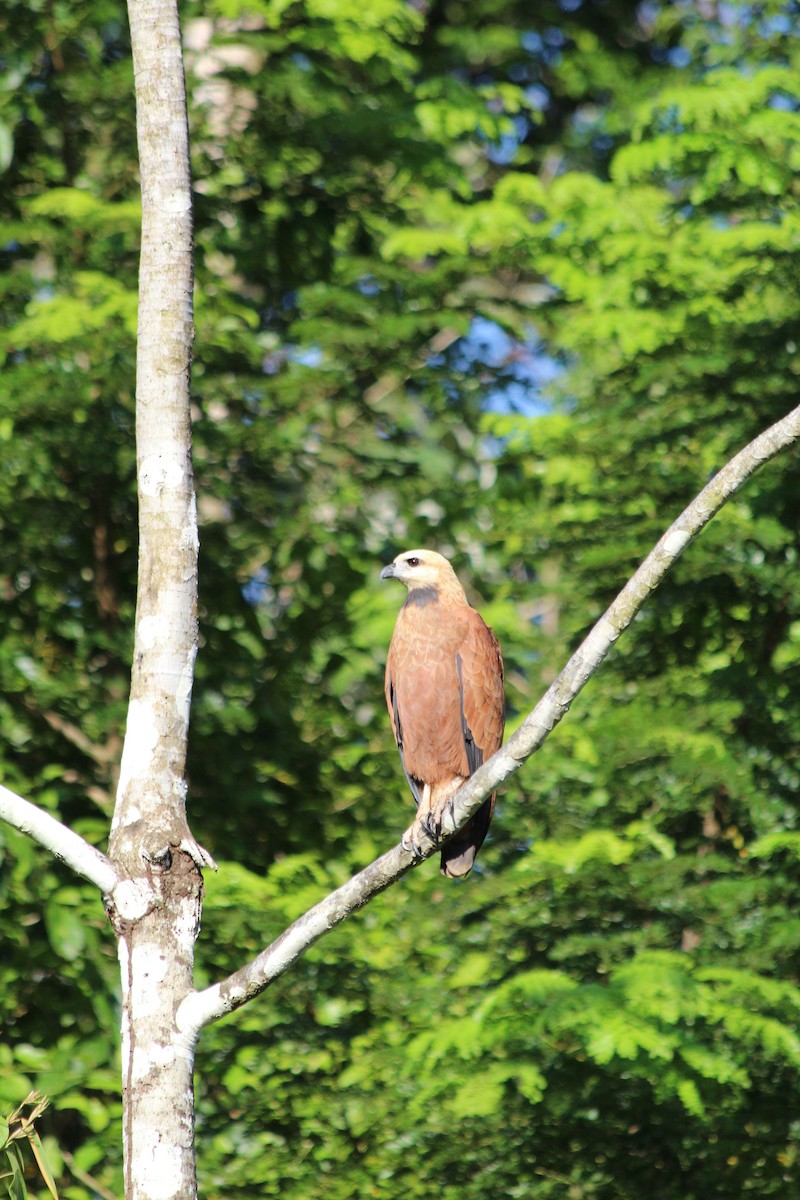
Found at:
(459, 853)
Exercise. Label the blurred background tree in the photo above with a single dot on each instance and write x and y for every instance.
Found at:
(504, 279)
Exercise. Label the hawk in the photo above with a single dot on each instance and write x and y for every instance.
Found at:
(444, 692)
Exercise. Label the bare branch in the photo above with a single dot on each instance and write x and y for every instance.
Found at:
(70, 847)
(200, 1008)
(102, 755)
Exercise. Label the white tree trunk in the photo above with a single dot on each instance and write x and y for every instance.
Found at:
(150, 840)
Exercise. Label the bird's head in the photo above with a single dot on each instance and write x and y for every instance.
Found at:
(423, 570)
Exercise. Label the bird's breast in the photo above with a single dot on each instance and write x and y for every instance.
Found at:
(431, 627)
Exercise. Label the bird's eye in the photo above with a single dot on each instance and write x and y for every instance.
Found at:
(412, 562)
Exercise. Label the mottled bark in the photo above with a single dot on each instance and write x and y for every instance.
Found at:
(150, 841)
(150, 813)
(156, 953)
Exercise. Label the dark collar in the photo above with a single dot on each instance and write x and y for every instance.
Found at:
(421, 596)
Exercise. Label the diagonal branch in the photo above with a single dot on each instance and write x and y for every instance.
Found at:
(67, 845)
(200, 1008)
(99, 754)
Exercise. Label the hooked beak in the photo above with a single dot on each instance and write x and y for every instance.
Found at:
(388, 571)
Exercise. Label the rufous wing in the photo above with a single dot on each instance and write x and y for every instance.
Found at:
(479, 665)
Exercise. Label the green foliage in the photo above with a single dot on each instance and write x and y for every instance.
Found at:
(608, 1007)
(18, 1127)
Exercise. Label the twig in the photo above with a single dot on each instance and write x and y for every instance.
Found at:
(84, 1177)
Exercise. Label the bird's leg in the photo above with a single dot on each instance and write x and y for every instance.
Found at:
(451, 809)
(411, 839)
(441, 803)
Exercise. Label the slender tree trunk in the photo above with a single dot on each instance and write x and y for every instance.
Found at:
(156, 955)
(150, 841)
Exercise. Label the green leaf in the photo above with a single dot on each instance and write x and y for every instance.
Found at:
(16, 1185)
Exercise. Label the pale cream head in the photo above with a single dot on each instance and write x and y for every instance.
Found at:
(422, 569)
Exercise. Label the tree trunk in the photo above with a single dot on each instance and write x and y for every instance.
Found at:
(156, 954)
(157, 918)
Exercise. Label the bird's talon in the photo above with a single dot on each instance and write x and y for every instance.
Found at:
(409, 843)
(429, 825)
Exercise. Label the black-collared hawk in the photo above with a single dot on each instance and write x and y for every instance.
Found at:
(444, 692)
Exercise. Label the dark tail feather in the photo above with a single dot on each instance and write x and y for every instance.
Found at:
(459, 853)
